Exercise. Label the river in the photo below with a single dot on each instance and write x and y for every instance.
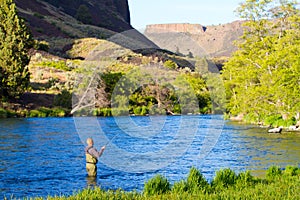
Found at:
(45, 156)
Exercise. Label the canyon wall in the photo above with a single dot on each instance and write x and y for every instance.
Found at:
(215, 40)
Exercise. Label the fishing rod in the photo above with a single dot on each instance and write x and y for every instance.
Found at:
(111, 139)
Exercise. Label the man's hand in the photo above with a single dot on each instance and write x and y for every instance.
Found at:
(101, 151)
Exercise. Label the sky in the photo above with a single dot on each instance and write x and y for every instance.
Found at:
(204, 12)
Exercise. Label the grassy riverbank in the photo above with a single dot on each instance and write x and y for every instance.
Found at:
(278, 184)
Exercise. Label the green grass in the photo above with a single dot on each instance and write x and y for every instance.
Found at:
(6, 113)
(61, 65)
(40, 112)
(279, 184)
(48, 112)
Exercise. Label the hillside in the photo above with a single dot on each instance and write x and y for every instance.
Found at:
(215, 41)
(48, 17)
(65, 38)
(60, 22)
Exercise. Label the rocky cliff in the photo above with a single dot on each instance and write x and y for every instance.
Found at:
(66, 17)
(196, 39)
(60, 22)
(181, 28)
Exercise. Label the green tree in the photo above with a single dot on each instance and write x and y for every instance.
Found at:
(262, 78)
(15, 40)
(83, 14)
(201, 91)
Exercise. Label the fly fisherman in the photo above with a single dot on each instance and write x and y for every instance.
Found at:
(92, 156)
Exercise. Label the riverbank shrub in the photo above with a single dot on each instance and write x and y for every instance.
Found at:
(245, 179)
(231, 186)
(3, 113)
(141, 110)
(196, 181)
(40, 112)
(47, 112)
(291, 171)
(180, 187)
(277, 120)
(58, 112)
(34, 113)
(103, 112)
(224, 178)
(156, 186)
(273, 172)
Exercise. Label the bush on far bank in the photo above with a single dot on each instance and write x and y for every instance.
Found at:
(40, 112)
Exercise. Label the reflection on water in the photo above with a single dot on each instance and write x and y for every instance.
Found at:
(44, 156)
(263, 150)
(91, 181)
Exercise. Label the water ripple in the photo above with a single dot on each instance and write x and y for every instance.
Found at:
(44, 156)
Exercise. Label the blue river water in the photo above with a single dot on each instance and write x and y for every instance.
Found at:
(45, 156)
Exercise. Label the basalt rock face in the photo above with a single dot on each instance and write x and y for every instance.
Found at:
(181, 28)
(195, 39)
(112, 15)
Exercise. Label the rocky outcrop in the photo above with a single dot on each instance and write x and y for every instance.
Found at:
(182, 28)
(196, 39)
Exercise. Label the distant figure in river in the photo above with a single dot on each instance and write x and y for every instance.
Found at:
(92, 156)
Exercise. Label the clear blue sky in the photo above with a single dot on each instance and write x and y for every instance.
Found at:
(205, 12)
